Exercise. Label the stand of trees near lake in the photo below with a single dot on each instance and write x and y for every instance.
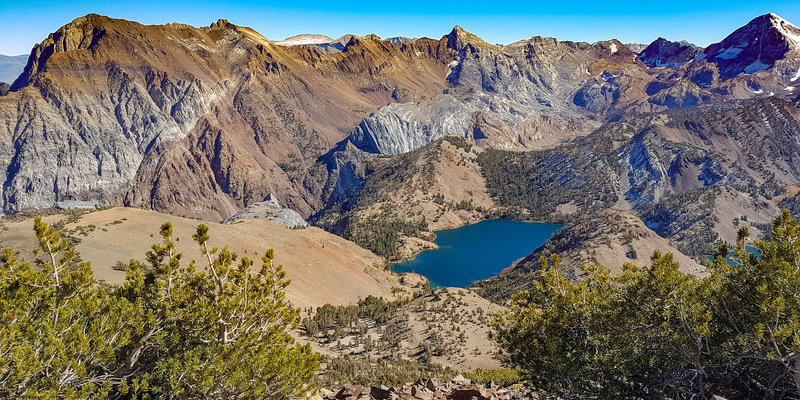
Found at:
(216, 329)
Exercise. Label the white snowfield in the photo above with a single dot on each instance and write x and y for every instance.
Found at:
(299, 40)
(788, 30)
(796, 76)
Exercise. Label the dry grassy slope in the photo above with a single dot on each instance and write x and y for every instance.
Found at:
(733, 205)
(615, 238)
(324, 268)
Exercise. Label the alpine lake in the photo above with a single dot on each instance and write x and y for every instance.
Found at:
(478, 251)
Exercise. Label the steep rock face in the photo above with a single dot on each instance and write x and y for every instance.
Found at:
(663, 53)
(511, 90)
(754, 47)
(205, 121)
(400, 128)
(194, 121)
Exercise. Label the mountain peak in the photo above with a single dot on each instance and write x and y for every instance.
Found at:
(754, 47)
(221, 23)
(458, 38)
(666, 53)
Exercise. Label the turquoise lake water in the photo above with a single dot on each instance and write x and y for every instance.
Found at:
(477, 251)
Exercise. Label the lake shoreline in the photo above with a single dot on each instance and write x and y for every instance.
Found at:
(490, 247)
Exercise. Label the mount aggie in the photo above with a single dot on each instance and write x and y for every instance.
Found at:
(386, 141)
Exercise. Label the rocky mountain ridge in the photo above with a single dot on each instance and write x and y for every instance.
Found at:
(663, 53)
(204, 122)
(211, 82)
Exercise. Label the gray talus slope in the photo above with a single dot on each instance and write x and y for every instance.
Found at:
(509, 88)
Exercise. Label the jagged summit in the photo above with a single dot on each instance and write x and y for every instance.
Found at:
(664, 53)
(458, 38)
(754, 47)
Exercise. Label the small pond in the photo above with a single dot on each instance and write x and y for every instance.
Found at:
(479, 251)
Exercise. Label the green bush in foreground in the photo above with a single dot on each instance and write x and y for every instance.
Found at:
(501, 377)
(170, 330)
(380, 371)
(656, 332)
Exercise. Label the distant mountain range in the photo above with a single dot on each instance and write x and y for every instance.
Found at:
(11, 67)
(202, 122)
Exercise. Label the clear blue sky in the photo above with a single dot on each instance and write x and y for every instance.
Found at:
(24, 23)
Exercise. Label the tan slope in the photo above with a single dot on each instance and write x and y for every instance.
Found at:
(610, 239)
(324, 268)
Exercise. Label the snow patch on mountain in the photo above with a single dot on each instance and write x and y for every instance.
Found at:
(304, 39)
(756, 90)
(755, 67)
(729, 54)
(788, 30)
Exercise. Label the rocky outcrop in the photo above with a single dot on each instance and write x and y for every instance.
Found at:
(459, 388)
(400, 128)
(271, 210)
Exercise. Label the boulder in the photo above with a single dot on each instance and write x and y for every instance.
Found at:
(349, 392)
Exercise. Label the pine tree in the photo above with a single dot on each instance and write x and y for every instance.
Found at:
(170, 330)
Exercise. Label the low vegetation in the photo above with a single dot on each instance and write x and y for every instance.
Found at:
(537, 182)
(208, 330)
(501, 377)
(655, 332)
(378, 371)
(217, 330)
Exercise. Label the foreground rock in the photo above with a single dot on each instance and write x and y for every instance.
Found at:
(459, 388)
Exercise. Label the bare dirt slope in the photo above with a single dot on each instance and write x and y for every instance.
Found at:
(324, 268)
